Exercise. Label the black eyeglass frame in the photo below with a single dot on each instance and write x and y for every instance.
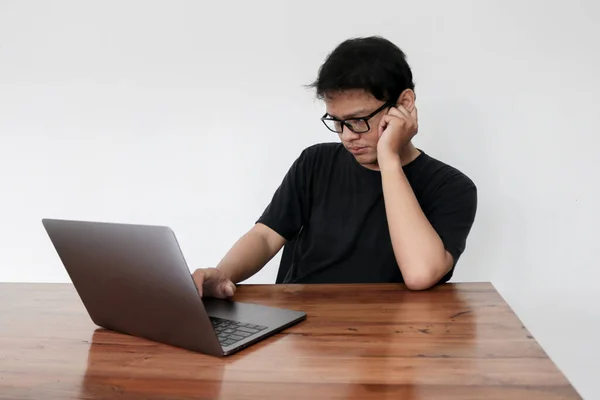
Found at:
(343, 122)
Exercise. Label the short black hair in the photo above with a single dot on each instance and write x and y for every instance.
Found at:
(372, 64)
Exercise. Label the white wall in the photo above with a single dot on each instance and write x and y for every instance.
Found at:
(189, 115)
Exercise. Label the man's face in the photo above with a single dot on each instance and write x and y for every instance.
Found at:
(352, 104)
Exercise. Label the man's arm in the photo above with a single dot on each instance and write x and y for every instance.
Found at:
(425, 250)
(251, 253)
(419, 251)
(282, 218)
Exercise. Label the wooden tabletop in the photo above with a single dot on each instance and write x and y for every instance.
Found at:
(458, 341)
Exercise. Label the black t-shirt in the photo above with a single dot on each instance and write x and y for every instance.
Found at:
(331, 210)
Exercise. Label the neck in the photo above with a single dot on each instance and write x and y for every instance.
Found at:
(409, 154)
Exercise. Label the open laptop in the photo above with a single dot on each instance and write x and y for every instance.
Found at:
(134, 279)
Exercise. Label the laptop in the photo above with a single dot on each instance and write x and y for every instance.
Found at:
(133, 279)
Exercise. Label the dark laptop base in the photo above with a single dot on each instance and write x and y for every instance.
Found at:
(258, 322)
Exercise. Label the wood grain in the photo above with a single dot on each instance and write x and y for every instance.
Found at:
(457, 341)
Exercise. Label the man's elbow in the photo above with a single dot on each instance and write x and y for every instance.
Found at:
(423, 277)
(419, 281)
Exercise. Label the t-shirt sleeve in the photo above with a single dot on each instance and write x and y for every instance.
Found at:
(288, 210)
(453, 213)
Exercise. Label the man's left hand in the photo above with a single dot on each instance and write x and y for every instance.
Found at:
(396, 130)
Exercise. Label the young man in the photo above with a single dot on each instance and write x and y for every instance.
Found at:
(372, 208)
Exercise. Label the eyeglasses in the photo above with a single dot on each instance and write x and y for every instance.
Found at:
(356, 125)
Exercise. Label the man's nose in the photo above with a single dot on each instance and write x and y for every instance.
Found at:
(347, 134)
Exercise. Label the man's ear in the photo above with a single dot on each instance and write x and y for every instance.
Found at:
(407, 100)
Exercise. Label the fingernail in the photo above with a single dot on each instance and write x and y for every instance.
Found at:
(230, 290)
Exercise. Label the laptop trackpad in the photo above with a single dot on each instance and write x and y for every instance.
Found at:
(248, 313)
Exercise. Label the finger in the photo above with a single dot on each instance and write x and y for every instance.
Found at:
(198, 277)
(410, 117)
(415, 114)
(404, 112)
(228, 288)
(383, 123)
(395, 112)
(224, 289)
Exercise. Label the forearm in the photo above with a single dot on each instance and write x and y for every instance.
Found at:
(418, 249)
(247, 256)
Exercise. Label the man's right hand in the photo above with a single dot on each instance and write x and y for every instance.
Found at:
(212, 282)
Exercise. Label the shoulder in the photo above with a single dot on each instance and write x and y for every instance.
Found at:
(316, 159)
(322, 150)
(321, 154)
(436, 176)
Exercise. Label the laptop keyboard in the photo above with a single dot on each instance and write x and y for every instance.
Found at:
(230, 332)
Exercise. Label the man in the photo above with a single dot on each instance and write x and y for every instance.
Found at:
(372, 208)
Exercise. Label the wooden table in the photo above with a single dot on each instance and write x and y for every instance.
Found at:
(458, 341)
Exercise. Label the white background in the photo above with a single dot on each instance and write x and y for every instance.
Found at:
(188, 114)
